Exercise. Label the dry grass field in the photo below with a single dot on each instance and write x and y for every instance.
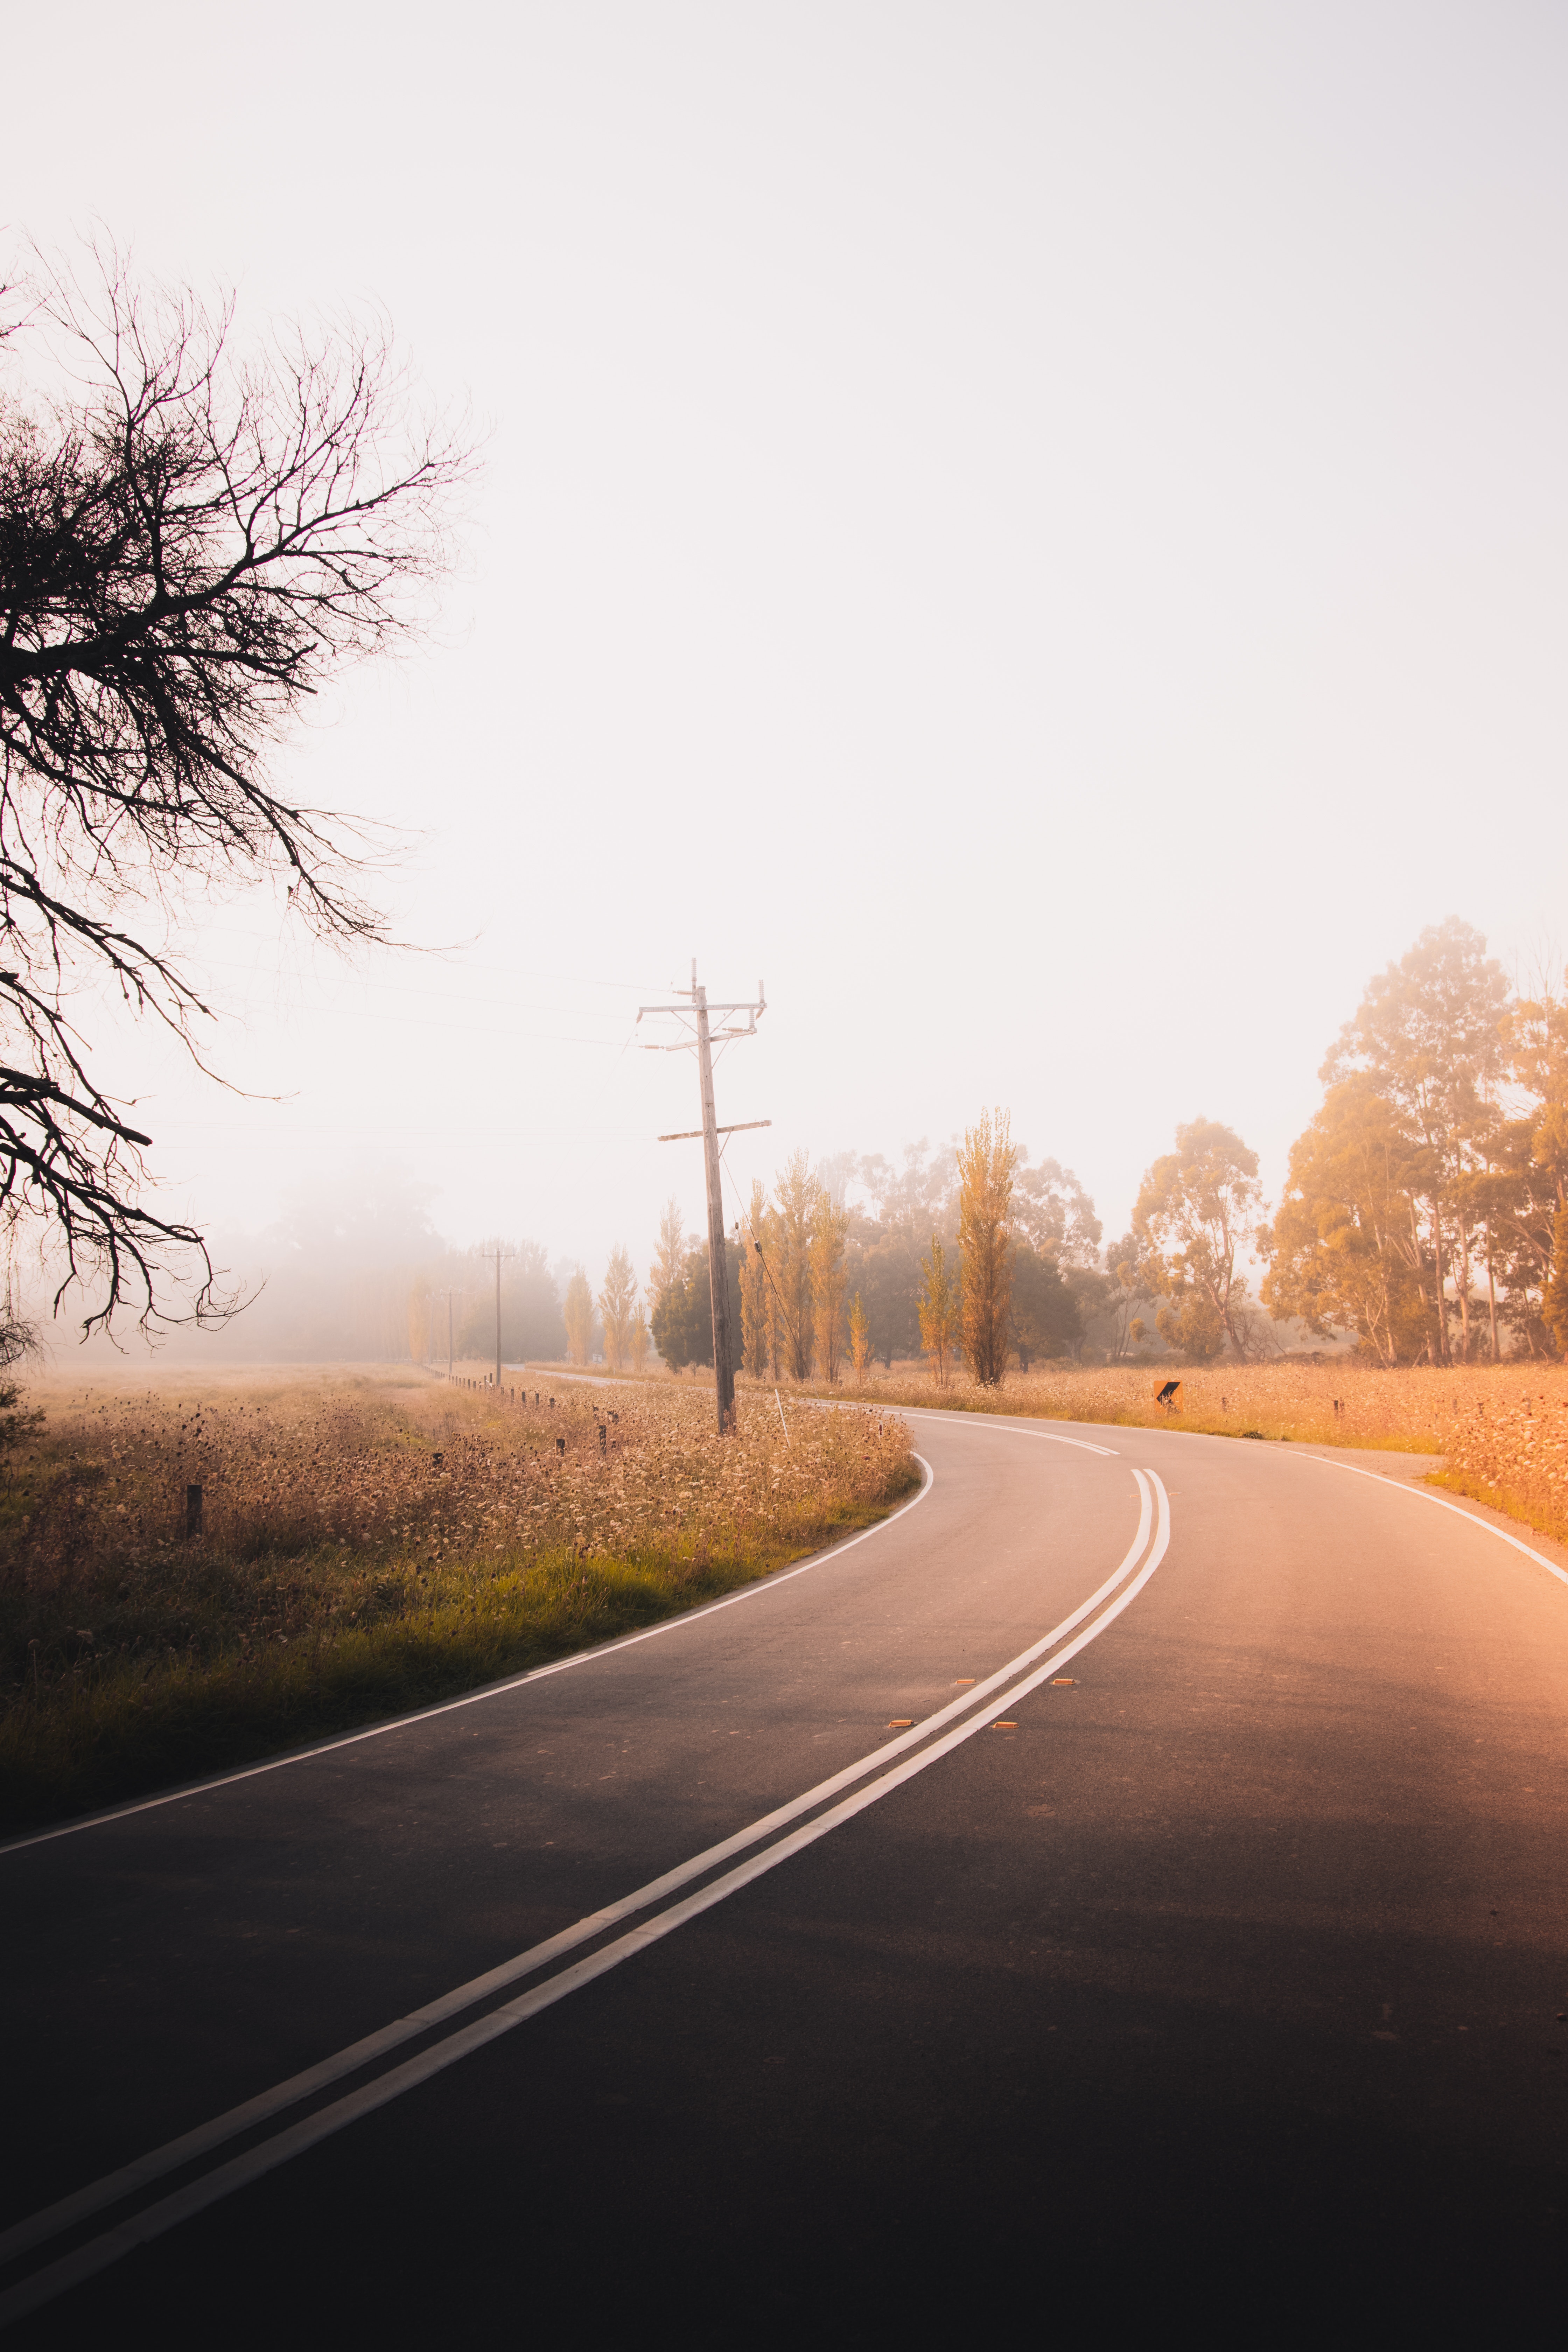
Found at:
(370, 1541)
(1502, 1431)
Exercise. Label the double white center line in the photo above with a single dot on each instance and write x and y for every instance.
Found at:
(916, 1750)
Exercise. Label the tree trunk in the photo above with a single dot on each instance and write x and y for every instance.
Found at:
(1465, 1293)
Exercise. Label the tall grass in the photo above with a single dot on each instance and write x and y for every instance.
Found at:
(1501, 1431)
(1331, 1403)
(369, 1543)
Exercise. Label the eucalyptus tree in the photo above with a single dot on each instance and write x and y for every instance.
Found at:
(1199, 1210)
(1428, 1032)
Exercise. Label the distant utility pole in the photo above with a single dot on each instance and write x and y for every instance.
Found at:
(709, 1130)
(501, 1257)
(448, 1296)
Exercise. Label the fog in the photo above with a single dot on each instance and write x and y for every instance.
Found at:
(1034, 529)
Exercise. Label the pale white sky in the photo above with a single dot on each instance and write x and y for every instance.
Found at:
(1038, 529)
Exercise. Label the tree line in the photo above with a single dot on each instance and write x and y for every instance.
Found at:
(824, 1281)
(1425, 1218)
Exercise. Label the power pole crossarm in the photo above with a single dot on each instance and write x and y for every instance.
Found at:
(691, 1134)
(698, 1011)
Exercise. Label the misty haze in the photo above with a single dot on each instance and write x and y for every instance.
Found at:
(783, 1378)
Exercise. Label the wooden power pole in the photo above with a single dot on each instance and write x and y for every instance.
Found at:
(710, 1131)
(448, 1296)
(501, 1257)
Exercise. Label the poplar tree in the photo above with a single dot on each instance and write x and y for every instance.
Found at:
(670, 1265)
(986, 1161)
(859, 1337)
(579, 1316)
(795, 1196)
(937, 1311)
(756, 1297)
(617, 1303)
(830, 1232)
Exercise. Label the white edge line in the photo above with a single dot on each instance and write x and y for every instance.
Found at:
(999, 1427)
(471, 1699)
(158, 2162)
(30, 2294)
(1403, 1486)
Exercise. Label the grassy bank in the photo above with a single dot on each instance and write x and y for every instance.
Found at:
(1502, 1430)
(1418, 1409)
(370, 1543)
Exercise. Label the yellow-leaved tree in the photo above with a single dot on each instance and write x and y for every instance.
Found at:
(1345, 1247)
(1200, 1207)
(829, 1233)
(859, 1337)
(986, 1161)
(579, 1317)
(758, 1320)
(939, 1311)
(796, 1197)
(670, 1266)
(618, 1304)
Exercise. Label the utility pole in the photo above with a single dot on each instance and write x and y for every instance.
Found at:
(709, 1130)
(501, 1257)
(448, 1296)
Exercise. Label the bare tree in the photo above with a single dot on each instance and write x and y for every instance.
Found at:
(191, 539)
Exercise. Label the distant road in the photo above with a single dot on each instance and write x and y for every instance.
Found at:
(682, 1979)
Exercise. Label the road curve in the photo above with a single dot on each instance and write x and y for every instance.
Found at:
(755, 1959)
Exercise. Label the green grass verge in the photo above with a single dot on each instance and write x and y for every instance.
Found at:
(125, 1728)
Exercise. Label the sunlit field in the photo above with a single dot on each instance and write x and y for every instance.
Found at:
(1502, 1431)
(370, 1541)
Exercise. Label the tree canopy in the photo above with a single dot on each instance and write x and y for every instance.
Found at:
(1198, 1210)
(1437, 1164)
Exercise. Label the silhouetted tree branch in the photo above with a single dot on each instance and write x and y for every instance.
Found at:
(190, 540)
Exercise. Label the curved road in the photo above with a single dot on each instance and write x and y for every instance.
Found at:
(1132, 1874)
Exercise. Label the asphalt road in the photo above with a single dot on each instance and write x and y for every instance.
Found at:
(1228, 1980)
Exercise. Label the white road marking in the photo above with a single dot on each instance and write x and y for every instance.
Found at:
(999, 1428)
(469, 1698)
(1423, 1495)
(56, 2277)
(98, 2255)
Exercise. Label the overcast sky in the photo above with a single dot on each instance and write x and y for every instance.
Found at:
(1037, 529)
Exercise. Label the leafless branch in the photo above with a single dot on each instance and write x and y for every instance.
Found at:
(190, 542)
